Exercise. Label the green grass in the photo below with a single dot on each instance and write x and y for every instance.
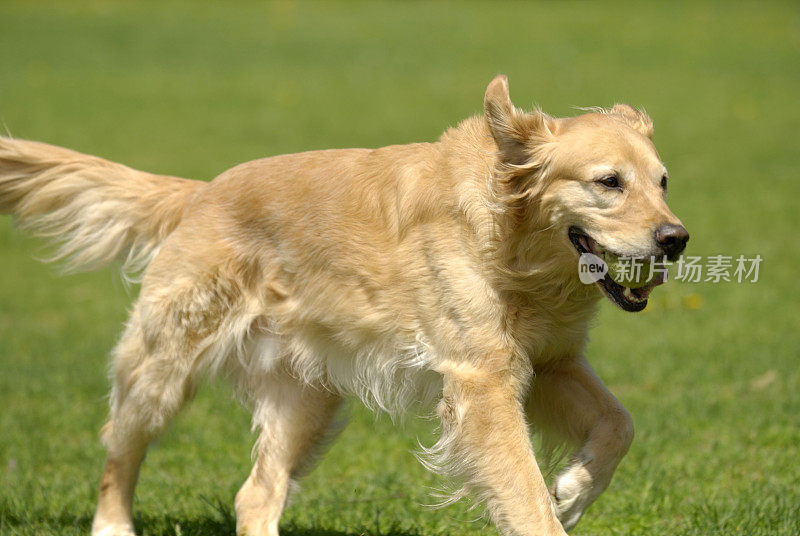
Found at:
(193, 88)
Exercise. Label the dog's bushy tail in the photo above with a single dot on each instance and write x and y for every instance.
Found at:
(94, 209)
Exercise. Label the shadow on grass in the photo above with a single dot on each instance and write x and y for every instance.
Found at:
(18, 520)
(220, 522)
(294, 530)
(168, 526)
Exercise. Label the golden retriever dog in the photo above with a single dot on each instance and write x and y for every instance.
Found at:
(443, 271)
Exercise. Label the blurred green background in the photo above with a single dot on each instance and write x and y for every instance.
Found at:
(709, 372)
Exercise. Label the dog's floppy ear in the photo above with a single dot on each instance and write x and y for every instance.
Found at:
(636, 119)
(513, 130)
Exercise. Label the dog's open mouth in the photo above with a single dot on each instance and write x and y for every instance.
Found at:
(629, 299)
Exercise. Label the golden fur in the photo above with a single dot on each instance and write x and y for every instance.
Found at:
(432, 271)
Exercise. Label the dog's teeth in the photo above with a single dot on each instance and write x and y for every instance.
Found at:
(627, 293)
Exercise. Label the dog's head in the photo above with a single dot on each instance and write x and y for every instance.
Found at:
(600, 184)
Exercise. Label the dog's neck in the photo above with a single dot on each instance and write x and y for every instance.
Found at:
(533, 269)
(503, 209)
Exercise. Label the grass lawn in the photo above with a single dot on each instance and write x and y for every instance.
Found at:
(710, 372)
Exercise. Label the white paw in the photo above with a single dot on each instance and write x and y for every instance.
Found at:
(572, 493)
(113, 530)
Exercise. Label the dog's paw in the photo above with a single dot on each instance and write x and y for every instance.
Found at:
(113, 530)
(571, 495)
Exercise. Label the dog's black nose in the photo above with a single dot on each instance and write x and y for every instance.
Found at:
(672, 239)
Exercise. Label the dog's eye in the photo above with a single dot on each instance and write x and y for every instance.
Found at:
(664, 182)
(612, 181)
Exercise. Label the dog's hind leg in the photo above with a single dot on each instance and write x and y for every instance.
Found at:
(153, 375)
(294, 420)
(569, 403)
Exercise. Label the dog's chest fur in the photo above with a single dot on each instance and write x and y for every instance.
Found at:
(374, 270)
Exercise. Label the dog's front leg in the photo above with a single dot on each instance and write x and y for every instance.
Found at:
(485, 443)
(569, 402)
